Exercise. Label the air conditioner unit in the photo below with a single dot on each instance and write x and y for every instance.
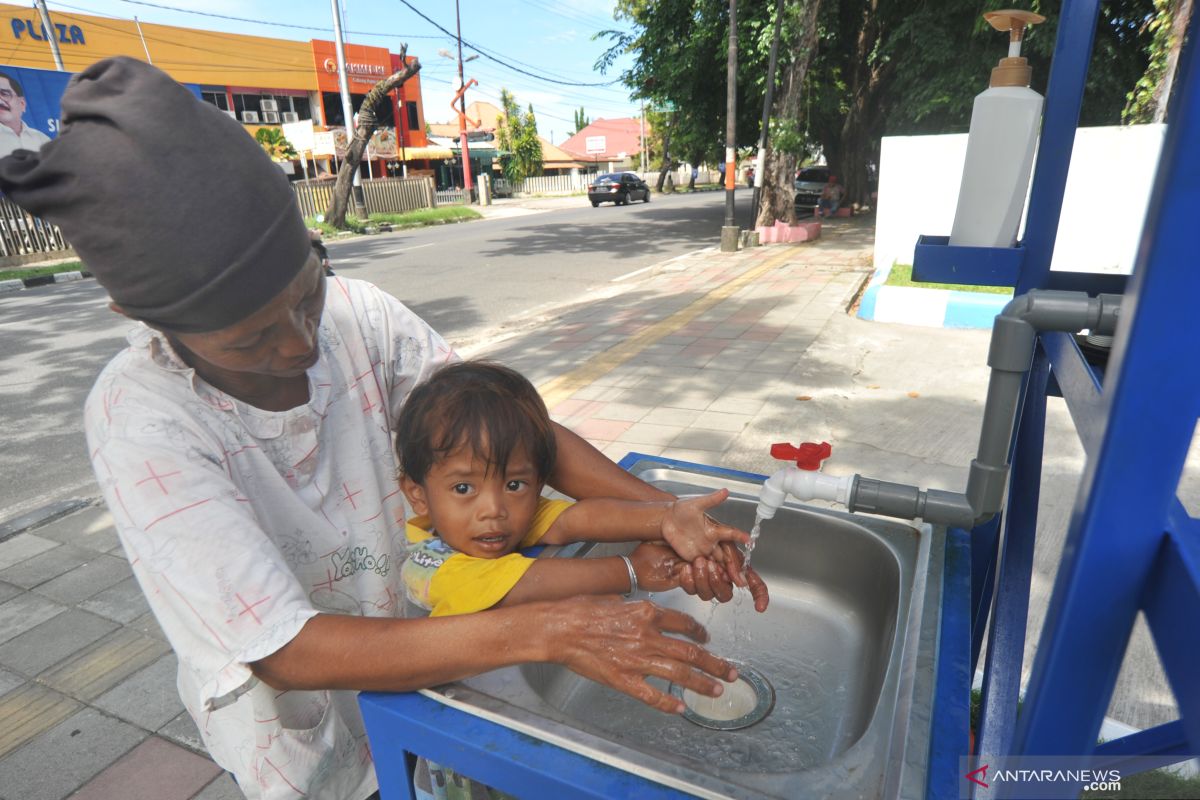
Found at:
(268, 105)
(230, 113)
(290, 116)
(271, 117)
(250, 116)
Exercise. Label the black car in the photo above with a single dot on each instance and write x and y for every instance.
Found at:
(619, 188)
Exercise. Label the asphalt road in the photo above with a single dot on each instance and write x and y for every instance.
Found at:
(469, 281)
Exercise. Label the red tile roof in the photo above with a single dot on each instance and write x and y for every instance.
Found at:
(620, 136)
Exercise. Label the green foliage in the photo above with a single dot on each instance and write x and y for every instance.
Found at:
(581, 121)
(36, 272)
(275, 143)
(516, 137)
(1142, 103)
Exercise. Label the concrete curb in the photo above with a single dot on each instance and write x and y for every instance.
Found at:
(43, 516)
(16, 284)
(935, 308)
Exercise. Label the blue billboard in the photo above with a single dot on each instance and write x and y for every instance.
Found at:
(29, 106)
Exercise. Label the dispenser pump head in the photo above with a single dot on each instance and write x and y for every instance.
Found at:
(1014, 70)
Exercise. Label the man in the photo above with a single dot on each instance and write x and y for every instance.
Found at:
(14, 133)
(831, 198)
(243, 442)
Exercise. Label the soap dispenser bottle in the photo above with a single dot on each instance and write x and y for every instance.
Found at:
(1000, 147)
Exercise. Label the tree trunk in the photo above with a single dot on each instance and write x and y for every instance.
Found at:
(666, 162)
(778, 199)
(860, 130)
(1181, 15)
(335, 215)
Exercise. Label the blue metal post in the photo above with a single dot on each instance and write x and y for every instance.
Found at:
(1126, 499)
(1064, 97)
(1006, 638)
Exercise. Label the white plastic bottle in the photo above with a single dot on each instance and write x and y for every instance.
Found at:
(1000, 147)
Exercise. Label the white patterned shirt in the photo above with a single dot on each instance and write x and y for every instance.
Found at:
(242, 524)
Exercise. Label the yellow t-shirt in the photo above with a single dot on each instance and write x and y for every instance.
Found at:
(446, 582)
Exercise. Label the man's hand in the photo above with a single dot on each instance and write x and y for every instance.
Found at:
(621, 644)
(692, 533)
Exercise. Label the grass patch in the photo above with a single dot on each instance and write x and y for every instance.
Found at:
(901, 275)
(409, 219)
(36, 272)
(1155, 784)
(1158, 784)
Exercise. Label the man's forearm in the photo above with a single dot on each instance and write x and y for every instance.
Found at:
(334, 651)
(583, 471)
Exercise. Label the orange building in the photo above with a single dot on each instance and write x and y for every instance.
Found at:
(259, 81)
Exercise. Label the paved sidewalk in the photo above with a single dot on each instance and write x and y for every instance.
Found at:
(709, 358)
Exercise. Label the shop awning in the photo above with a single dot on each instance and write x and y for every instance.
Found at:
(418, 153)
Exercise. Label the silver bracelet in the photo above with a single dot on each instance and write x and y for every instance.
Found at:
(633, 587)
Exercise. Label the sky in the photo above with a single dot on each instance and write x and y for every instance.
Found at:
(549, 38)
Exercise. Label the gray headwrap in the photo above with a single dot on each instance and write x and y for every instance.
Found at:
(178, 213)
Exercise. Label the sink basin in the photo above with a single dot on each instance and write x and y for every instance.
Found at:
(846, 645)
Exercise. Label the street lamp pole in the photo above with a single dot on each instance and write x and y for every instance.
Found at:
(729, 232)
(360, 204)
(462, 112)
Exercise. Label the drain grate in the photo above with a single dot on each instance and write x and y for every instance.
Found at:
(744, 702)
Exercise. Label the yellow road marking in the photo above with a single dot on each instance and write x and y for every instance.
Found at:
(27, 711)
(558, 389)
(105, 665)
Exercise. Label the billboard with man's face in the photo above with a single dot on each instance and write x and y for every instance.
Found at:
(29, 107)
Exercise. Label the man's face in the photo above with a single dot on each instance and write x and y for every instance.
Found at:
(278, 341)
(12, 105)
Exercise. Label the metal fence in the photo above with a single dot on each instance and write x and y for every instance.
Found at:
(23, 234)
(554, 184)
(447, 197)
(382, 195)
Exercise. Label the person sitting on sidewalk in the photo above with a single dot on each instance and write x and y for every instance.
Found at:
(476, 445)
(243, 443)
(831, 198)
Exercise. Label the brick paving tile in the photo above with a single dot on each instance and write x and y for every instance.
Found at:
(154, 770)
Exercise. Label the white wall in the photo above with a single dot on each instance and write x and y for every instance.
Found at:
(1108, 187)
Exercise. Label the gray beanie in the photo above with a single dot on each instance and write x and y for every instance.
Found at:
(178, 213)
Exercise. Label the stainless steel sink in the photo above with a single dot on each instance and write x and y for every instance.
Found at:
(847, 645)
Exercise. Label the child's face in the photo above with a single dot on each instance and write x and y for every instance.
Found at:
(481, 514)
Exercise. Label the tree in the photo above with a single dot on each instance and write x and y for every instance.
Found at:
(335, 215)
(581, 121)
(275, 143)
(1150, 98)
(786, 147)
(516, 137)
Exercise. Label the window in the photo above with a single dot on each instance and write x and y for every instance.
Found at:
(218, 99)
(414, 122)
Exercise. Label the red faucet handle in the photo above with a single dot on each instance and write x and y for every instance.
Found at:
(808, 455)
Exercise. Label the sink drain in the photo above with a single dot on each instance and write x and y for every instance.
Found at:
(744, 702)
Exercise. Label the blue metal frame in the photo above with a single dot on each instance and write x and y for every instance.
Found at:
(403, 726)
(1131, 545)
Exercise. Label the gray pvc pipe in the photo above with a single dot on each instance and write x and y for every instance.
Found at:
(1009, 355)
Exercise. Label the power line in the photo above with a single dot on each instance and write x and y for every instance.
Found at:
(487, 55)
(265, 22)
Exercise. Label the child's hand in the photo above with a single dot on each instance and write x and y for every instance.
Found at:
(657, 566)
(689, 529)
(707, 579)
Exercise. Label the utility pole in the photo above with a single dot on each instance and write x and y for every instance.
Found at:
(462, 112)
(360, 203)
(145, 49)
(48, 32)
(643, 124)
(766, 117)
(729, 232)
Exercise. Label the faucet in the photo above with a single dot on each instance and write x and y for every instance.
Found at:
(804, 480)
